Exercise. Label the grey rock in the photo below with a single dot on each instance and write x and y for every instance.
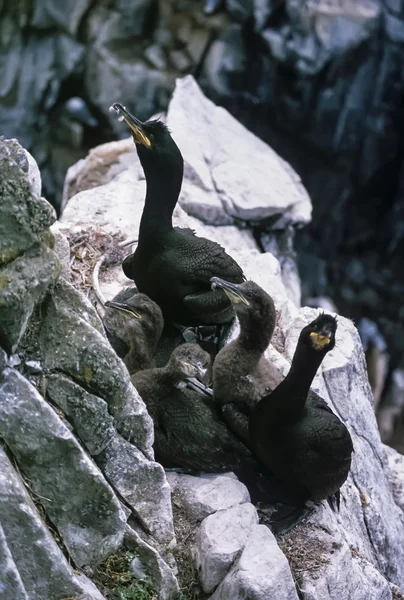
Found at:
(215, 161)
(263, 10)
(180, 60)
(220, 540)
(43, 570)
(72, 343)
(262, 572)
(66, 16)
(241, 10)
(33, 366)
(280, 244)
(201, 497)
(24, 283)
(395, 6)
(141, 482)
(394, 28)
(395, 475)
(155, 55)
(23, 216)
(11, 585)
(33, 176)
(153, 565)
(62, 249)
(82, 505)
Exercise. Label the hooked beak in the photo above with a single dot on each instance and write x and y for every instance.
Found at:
(133, 123)
(125, 308)
(231, 290)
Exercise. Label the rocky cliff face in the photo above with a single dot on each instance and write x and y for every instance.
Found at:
(322, 81)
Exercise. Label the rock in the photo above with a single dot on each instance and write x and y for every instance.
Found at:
(203, 496)
(11, 584)
(280, 244)
(82, 505)
(262, 572)
(141, 482)
(43, 571)
(155, 568)
(395, 475)
(219, 163)
(219, 541)
(62, 249)
(23, 216)
(24, 283)
(72, 343)
(240, 10)
(67, 16)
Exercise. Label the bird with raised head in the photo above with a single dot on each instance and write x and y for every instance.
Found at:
(171, 265)
(294, 432)
(241, 374)
(188, 429)
(134, 324)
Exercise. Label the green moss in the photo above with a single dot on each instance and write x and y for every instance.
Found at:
(116, 581)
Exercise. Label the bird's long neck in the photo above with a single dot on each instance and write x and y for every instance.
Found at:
(163, 186)
(287, 401)
(255, 334)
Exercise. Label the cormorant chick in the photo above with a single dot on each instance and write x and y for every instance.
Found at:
(171, 265)
(241, 373)
(294, 432)
(188, 432)
(137, 323)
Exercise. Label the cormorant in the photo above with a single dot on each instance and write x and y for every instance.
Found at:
(171, 265)
(241, 373)
(188, 431)
(134, 324)
(294, 432)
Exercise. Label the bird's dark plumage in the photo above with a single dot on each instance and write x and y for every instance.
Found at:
(173, 266)
(241, 373)
(134, 324)
(294, 432)
(188, 430)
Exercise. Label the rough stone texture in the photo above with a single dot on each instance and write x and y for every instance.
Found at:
(27, 266)
(155, 568)
(43, 571)
(59, 347)
(141, 482)
(201, 497)
(262, 571)
(219, 541)
(234, 174)
(72, 342)
(395, 475)
(91, 523)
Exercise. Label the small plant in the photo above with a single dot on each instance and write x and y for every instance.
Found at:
(116, 581)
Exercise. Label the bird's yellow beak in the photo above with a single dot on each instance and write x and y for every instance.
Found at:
(133, 123)
(319, 341)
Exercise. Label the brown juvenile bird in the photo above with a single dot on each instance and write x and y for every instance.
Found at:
(294, 432)
(134, 324)
(189, 432)
(241, 373)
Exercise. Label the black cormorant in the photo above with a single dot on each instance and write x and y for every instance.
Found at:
(134, 325)
(294, 432)
(241, 373)
(173, 266)
(187, 426)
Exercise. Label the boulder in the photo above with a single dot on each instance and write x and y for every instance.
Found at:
(201, 496)
(82, 505)
(34, 565)
(219, 541)
(88, 451)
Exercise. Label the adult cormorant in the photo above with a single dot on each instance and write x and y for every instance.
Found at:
(294, 432)
(241, 373)
(188, 431)
(134, 324)
(171, 265)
